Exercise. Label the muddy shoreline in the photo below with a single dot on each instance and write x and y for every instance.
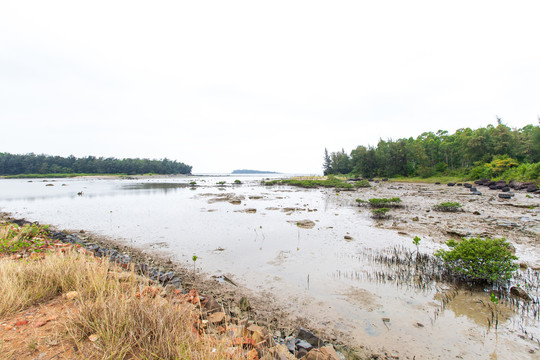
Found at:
(516, 219)
(263, 309)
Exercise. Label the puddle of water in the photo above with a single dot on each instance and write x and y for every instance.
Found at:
(311, 249)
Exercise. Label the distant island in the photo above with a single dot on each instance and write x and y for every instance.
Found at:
(246, 171)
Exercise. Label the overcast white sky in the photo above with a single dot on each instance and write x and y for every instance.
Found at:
(222, 85)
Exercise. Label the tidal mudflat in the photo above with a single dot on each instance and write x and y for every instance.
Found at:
(314, 257)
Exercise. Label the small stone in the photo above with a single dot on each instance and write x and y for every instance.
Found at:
(415, 218)
(21, 323)
(216, 317)
(93, 338)
(72, 295)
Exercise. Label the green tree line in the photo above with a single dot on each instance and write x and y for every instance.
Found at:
(13, 164)
(484, 152)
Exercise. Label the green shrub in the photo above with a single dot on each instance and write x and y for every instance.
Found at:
(221, 182)
(448, 206)
(479, 259)
(380, 213)
(237, 181)
(362, 184)
(384, 202)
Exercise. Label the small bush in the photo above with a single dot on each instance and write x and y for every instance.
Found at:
(221, 182)
(448, 206)
(479, 259)
(380, 213)
(237, 182)
(362, 184)
(384, 202)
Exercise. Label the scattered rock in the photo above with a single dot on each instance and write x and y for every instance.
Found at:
(216, 317)
(348, 237)
(415, 218)
(532, 188)
(451, 184)
(72, 295)
(505, 196)
(305, 224)
(308, 336)
(519, 292)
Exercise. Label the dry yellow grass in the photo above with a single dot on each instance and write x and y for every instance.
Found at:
(110, 313)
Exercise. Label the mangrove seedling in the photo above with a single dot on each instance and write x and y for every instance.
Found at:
(416, 241)
(237, 182)
(221, 183)
(477, 259)
(449, 206)
(493, 298)
(194, 258)
(384, 202)
(193, 183)
(380, 213)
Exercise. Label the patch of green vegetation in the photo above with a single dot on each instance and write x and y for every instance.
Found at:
(221, 182)
(430, 180)
(14, 238)
(384, 202)
(270, 182)
(330, 182)
(449, 206)
(380, 213)
(362, 184)
(486, 260)
(238, 182)
(361, 202)
(192, 183)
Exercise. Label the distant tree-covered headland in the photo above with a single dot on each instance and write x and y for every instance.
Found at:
(247, 171)
(12, 164)
(486, 152)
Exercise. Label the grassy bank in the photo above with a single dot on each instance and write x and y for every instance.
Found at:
(111, 313)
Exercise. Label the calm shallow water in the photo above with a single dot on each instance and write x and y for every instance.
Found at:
(315, 272)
